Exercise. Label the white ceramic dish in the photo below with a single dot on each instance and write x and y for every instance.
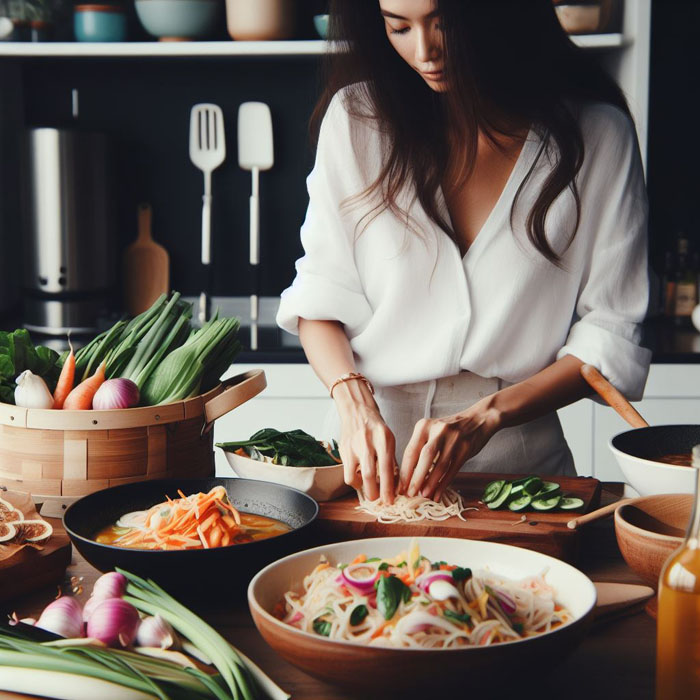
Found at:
(321, 483)
(358, 665)
(647, 476)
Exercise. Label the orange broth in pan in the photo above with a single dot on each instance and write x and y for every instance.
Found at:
(253, 528)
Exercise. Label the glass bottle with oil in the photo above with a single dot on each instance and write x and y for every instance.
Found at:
(678, 621)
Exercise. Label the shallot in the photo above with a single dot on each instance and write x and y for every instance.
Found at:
(116, 393)
(62, 617)
(155, 632)
(114, 622)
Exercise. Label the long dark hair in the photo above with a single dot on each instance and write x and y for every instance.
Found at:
(509, 65)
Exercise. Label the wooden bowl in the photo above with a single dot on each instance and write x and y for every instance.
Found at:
(649, 529)
(361, 667)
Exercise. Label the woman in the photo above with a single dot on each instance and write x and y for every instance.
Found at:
(476, 231)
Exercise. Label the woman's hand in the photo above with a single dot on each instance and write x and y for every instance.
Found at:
(440, 446)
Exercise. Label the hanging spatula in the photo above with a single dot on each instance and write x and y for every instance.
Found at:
(255, 153)
(207, 152)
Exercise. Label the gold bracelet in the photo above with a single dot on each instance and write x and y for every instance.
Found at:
(347, 377)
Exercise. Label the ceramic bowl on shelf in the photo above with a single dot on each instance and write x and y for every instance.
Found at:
(395, 670)
(178, 19)
(579, 18)
(649, 529)
(99, 22)
(321, 483)
(260, 20)
(637, 453)
(321, 25)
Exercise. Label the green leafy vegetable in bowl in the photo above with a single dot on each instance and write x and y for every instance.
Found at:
(294, 448)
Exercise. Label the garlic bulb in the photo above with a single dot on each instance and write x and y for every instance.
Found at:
(32, 392)
(155, 632)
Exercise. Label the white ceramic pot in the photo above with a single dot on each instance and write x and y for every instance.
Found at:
(260, 20)
(321, 483)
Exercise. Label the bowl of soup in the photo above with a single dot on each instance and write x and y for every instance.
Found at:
(144, 528)
(657, 459)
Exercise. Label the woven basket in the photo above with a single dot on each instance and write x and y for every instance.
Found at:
(67, 454)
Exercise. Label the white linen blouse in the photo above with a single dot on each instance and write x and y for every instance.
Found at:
(415, 309)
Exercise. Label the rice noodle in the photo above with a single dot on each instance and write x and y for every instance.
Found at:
(412, 509)
(473, 617)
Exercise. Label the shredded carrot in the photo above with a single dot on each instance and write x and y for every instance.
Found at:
(359, 559)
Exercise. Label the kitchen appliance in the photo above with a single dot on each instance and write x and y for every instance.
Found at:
(69, 253)
(207, 152)
(255, 153)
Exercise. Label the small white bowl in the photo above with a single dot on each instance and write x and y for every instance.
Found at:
(321, 483)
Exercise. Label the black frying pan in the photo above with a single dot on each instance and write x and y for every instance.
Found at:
(192, 574)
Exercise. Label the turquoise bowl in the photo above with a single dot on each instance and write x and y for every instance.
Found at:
(99, 23)
(178, 19)
(321, 24)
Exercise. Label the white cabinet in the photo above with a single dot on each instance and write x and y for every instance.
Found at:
(296, 398)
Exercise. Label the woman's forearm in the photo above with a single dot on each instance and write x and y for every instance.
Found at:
(556, 386)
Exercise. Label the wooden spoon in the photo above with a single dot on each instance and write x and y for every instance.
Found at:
(596, 514)
(613, 397)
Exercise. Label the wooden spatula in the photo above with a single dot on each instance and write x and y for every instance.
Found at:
(146, 267)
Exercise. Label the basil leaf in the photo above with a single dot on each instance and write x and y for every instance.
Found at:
(451, 615)
(371, 559)
(322, 627)
(436, 564)
(460, 574)
(358, 614)
(390, 592)
(383, 566)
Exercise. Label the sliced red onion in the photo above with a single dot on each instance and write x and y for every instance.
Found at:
(361, 577)
(419, 621)
(439, 589)
(506, 602)
(424, 580)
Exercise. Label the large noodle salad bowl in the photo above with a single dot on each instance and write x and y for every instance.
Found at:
(361, 666)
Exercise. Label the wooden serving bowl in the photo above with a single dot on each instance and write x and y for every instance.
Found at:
(649, 529)
(361, 667)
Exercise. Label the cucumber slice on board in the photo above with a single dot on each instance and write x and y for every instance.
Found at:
(548, 490)
(533, 486)
(518, 504)
(492, 490)
(502, 496)
(570, 503)
(546, 503)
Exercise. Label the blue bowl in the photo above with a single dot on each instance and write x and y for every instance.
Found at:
(321, 24)
(179, 19)
(99, 23)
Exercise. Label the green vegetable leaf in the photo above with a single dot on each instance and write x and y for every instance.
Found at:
(460, 574)
(383, 566)
(456, 617)
(358, 614)
(518, 627)
(371, 559)
(322, 627)
(390, 592)
(436, 564)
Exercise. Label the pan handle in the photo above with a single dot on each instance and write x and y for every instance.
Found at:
(236, 391)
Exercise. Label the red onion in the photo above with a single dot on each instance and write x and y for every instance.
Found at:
(116, 393)
(62, 617)
(360, 580)
(109, 585)
(506, 602)
(423, 582)
(114, 622)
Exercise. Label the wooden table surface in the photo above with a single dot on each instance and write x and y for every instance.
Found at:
(616, 659)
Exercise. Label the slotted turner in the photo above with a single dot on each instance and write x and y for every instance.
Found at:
(207, 152)
(255, 153)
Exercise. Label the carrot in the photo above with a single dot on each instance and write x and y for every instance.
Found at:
(65, 380)
(359, 559)
(80, 398)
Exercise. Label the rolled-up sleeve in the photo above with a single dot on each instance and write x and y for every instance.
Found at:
(614, 291)
(327, 285)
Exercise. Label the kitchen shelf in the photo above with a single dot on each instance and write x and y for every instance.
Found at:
(158, 49)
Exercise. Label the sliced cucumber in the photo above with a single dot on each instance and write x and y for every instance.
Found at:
(502, 496)
(520, 482)
(570, 503)
(546, 503)
(492, 490)
(520, 503)
(533, 486)
(548, 490)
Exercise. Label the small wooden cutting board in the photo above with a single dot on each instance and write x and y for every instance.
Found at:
(544, 532)
(146, 268)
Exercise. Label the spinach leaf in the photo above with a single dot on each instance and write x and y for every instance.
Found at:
(358, 614)
(390, 592)
(322, 627)
(460, 574)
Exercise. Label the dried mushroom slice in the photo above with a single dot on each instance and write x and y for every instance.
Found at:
(8, 513)
(34, 530)
(7, 531)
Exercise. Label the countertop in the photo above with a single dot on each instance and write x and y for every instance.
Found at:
(617, 658)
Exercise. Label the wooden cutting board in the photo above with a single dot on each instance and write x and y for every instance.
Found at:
(544, 532)
(146, 267)
(31, 569)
